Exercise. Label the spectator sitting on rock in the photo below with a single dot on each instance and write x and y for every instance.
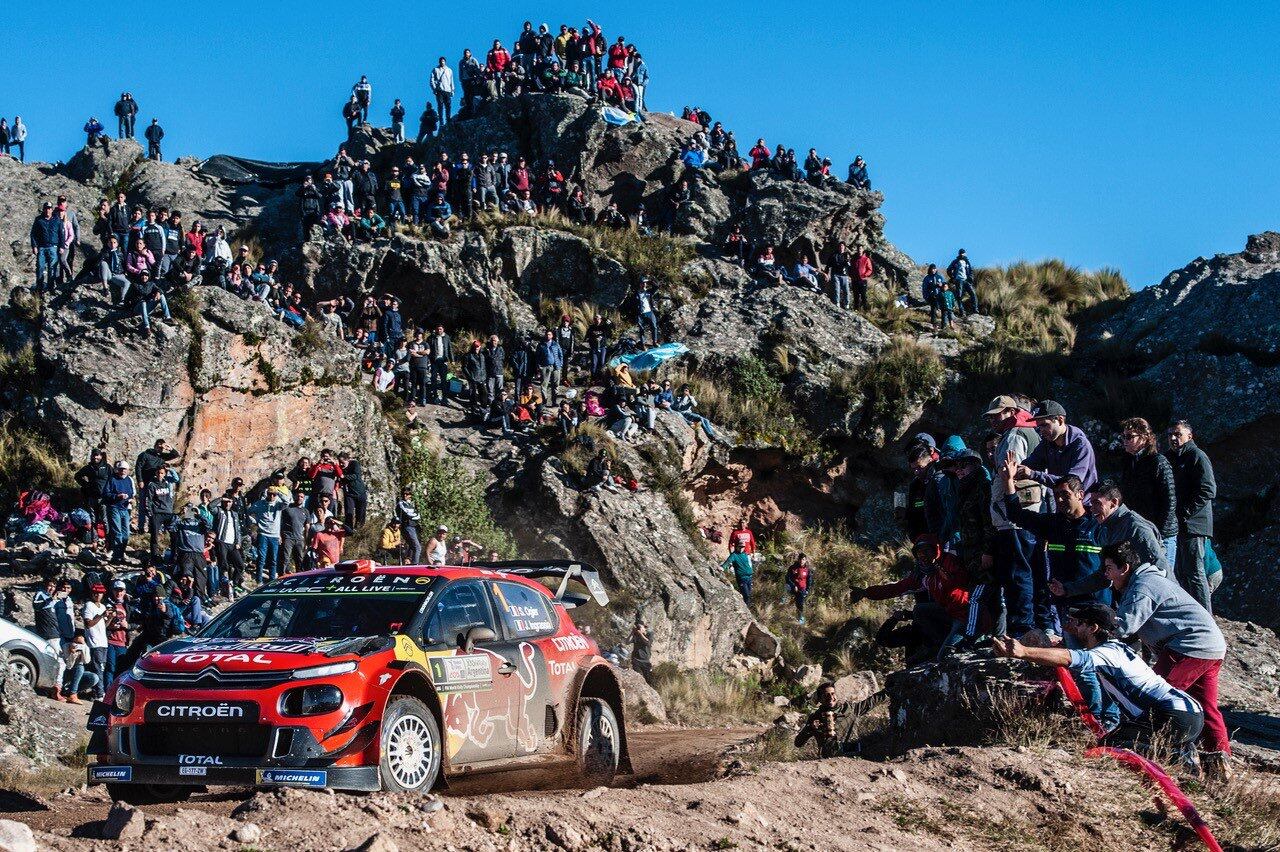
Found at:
(148, 296)
(622, 420)
(643, 228)
(336, 221)
(501, 412)
(438, 216)
(369, 225)
(599, 474)
(685, 405)
(766, 266)
(858, 176)
(567, 419)
(803, 274)
(612, 217)
(94, 134)
(679, 202)
(111, 271)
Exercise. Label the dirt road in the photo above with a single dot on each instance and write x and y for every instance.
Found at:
(660, 755)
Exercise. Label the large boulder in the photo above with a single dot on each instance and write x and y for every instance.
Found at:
(236, 391)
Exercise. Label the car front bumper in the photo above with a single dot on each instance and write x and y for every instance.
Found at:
(336, 777)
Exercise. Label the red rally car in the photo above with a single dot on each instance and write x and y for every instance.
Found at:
(368, 677)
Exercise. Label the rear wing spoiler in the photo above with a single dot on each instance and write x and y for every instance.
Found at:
(565, 569)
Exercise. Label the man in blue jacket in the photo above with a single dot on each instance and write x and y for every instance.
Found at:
(118, 496)
(550, 364)
(390, 326)
(47, 239)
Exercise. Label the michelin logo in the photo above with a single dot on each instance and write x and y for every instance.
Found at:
(300, 777)
(110, 773)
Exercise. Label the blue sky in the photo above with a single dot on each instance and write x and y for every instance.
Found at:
(1136, 137)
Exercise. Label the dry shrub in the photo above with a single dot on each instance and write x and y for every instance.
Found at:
(901, 374)
(1245, 814)
(581, 314)
(706, 697)
(29, 460)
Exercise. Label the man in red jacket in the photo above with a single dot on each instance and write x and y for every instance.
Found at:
(945, 615)
(760, 155)
(618, 55)
(862, 270)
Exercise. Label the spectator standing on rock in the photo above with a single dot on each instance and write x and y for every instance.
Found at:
(362, 91)
(410, 522)
(550, 361)
(799, 582)
(495, 359)
(647, 318)
(428, 121)
(187, 538)
(1063, 450)
(439, 350)
(931, 289)
(1074, 560)
(147, 467)
(641, 651)
(154, 134)
(442, 88)
(266, 512)
(355, 492)
(862, 272)
(92, 479)
(118, 496)
(840, 268)
(310, 201)
(1196, 487)
(960, 271)
(1013, 549)
(473, 371)
(158, 497)
(743, 570)
(47, 240)
(351, 115)
(226, 541)
(1188, 644)
(397, 121)
(364, 186)
(1146, 480)
(126, 111)
(293, 533)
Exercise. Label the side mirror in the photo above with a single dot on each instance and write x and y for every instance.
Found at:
(474, 635)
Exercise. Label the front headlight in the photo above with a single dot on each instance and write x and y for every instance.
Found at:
(311, 700)
(124, 699)
(325, 671)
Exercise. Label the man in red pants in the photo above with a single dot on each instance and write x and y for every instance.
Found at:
(1186, 640)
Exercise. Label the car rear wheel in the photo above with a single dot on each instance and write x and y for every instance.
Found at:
(149, 794)
(599, 742)
(411, 747)
(23, 668)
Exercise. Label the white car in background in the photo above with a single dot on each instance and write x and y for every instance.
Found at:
(32, 659)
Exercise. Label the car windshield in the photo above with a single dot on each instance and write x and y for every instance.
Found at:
(324, 607)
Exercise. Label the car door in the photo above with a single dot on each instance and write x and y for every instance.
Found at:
(528, 620)
(475, 725)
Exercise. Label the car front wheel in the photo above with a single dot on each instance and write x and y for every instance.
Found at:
(23, 668)
(411, 747)
(599, 742)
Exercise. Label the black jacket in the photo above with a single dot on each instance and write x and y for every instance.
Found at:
(365, 185)
(494, 360)
(310, 196)
(473, 366)
(1146, 481)
(92, 479)
(149, 461)
(1196, 488)
(353, 479)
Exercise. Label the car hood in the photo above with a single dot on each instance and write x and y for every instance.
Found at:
(248, 655)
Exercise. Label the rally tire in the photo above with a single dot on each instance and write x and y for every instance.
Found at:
(149, 794)
(599, 742)
(411, 748)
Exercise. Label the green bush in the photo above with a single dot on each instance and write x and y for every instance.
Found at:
(446, 493)
(18, 374)
(903, 373)
(185, 307)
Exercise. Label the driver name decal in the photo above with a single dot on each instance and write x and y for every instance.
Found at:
(465, 672)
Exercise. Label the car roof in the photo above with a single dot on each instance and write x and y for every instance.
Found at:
(446, 572)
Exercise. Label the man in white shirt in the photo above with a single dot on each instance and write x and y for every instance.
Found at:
(438, 547)
(94, 615)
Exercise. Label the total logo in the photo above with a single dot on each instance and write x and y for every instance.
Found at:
(199, 760)
(188, 657)
(199, 711)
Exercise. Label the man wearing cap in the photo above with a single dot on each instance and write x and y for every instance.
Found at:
(1012, 550)
(1063, 450)
(118, 496)
(94, 615)
(407, 515)
(438, 547)
(117, 621)
(47, 240)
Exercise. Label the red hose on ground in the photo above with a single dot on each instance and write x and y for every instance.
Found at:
(1136, 762)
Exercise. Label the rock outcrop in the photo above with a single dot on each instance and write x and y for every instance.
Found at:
(233, 389)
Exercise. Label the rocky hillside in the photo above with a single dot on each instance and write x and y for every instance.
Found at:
(817, 397)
